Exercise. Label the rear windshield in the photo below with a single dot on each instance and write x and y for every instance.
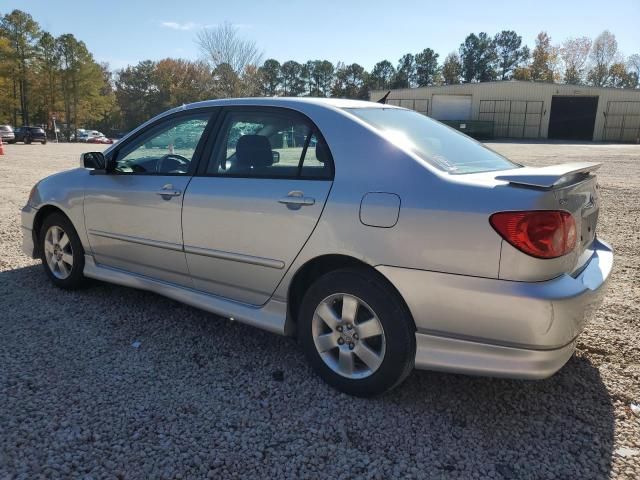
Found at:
(37, 130)
(5, 128)
(441, 146)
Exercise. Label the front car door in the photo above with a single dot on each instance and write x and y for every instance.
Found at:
(133, 214)
(250, 210)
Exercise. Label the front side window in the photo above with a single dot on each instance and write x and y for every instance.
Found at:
(271, 144)
(167, 149)
(437, 144)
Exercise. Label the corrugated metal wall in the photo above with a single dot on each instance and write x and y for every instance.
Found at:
(521, 109)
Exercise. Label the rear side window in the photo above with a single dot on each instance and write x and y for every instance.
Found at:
(270, 143)
(437, 144)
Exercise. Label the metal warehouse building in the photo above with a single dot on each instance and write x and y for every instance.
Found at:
(515, 109)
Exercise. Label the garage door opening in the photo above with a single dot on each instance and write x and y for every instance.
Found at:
(451, 107)
(572, 118)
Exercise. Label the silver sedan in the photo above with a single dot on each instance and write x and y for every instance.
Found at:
(382, 239)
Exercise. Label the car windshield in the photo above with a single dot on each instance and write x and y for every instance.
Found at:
(5, 128)
(439, 145)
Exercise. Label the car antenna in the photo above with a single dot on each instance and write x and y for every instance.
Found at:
(383, 100)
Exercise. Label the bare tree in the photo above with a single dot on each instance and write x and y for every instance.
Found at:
(574, 53)
(222, 45)
(603, 54)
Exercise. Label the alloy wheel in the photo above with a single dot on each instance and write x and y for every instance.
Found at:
(58, 252)
(348, 336)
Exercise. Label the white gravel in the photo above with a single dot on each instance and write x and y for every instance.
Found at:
(200, 397)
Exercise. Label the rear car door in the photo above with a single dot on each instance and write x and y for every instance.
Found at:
(133, 214)
(249, 211)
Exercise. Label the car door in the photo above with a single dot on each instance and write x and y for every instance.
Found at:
(133, 213)
(248, 213)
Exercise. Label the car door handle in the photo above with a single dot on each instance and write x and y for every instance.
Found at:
(169, 191)
(297, 199)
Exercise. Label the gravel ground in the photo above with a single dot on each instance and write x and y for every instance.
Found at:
(203, 397)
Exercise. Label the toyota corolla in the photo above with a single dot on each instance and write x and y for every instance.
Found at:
(381, 238)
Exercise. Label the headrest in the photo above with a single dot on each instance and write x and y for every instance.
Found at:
(253, 151)
(322, 152)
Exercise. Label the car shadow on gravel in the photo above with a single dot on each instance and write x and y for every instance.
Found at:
(201, 387)
(560, 427)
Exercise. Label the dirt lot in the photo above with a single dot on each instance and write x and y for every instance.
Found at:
(205, 397)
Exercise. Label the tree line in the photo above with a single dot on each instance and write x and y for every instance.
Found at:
(42, 76)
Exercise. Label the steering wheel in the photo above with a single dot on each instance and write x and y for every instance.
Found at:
(177, 159)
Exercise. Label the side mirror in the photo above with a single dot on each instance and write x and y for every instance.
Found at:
(276, 156)
(93, 160)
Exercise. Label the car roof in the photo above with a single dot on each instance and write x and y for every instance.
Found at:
(288, 101)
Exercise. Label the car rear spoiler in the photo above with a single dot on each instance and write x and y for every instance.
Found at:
(549, 177)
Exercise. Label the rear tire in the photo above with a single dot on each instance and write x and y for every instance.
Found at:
(61, 252)
(356, 332)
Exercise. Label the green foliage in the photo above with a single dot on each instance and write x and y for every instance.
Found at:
(427, 68)
(510, 53)
(270, 77)
(22, 32)
(291, 76)
(48, 76)
(350, 82)
(479, 56)
(382, 75)
(406, 72)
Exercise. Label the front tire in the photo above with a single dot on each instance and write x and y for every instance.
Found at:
(61, 252)
(356, 332)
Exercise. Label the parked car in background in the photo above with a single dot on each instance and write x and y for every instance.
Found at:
(100, 140)
(86, 135)
(6, 133)
(72, 134)
(30, 134)
(382, 238)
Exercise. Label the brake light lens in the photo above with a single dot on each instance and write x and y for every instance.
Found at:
(539, 233)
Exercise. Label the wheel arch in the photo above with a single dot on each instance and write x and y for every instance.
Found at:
(313, 269)
(43, 212)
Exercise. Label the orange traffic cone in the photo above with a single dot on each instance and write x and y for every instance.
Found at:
(1, 147)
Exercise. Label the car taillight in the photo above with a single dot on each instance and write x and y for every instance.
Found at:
(539, 233)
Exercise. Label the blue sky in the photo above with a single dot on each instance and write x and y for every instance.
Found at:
(125, 32)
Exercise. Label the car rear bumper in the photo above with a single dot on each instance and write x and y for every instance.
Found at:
(476, 358)
(28, 214)
(498, 327)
